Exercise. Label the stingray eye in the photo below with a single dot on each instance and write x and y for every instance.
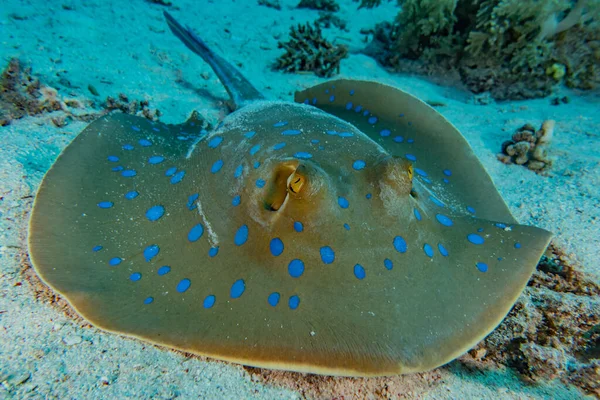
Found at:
(296, 182)
(411, 172)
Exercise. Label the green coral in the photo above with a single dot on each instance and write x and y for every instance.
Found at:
(501, 46)
(308, 50)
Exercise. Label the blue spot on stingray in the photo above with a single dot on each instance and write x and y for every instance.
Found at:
(471, 209)
(127, 147)
(115, 261)
(241, 236)
(296, 268)
(388, 264)
(136, 276)
(475, 238)
(214, 142)
(260, 183)
(216, 167)
(105, 204)
(213, 251)
(291, 132)
(444, 220)
(112, 158)
(145, 143)
(156, 159)
(482, 267)
(359, 272)
(97, 248)
(349, 105)
(298, 227)
(165, 269)
(372, 120)
(177, 177)
(314, 141)
(237, 289)
(171, 171)
(331, 133)
(155, 212)
(420, 172)
(256, 164)
(400, 244)
(249, 135)
(447, 172)
(149, 300)
(352, 92)
(428, 250)
(294, 302)
(131, 195)
(209, 301)
(191, 203)
(479, 229)
(331, 98)
(273, 299)
(254, 149)
(358, 165)
(236, 201)
(500, 225)
(410, 157)
(385, 132)
(426, 180)
(135, 128)
(280, 124)
(358, 108)
(183, 285)
(410, 140)
(442, 250)
(327, 255)
(517, 245)
(279, 146)
(401, 115)
(195, 233)
(343, 202)
(276, 246)
(398, 139)
(345, 134)
(314, 101)
(445, 180)
(366, 113)
(117, 168)
(417, 214)
(368, 196)
(303, 155)
(150, 252)
(347, 227)
(238, 171)
(436, 201)
(306, 101)
(128, 173)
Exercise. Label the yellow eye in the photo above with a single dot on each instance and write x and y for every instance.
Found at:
(410, 172)
(296, 182)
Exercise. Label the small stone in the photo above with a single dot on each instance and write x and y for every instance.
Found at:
(72, 340)
(536, 165)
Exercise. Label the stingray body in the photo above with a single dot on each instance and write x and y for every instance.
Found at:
(356, 234)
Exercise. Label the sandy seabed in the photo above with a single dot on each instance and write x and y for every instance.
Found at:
(125, 47)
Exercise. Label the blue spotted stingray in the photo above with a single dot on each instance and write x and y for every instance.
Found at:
(351, 232)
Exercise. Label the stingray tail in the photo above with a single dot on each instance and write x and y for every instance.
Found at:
(239, 88)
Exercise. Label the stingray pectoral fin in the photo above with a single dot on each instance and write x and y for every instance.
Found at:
(116, 164)
(407, 127)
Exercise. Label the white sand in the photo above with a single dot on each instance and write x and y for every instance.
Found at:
(127, 48)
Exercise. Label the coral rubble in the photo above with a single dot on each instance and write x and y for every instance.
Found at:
(553, 331)
(513, 49)
(324, 5)
(308, 50)
(529, 147)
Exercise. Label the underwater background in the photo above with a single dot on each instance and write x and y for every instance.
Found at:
(519, 79)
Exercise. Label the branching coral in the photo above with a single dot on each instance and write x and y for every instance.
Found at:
(501, 46)
(307, 50)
